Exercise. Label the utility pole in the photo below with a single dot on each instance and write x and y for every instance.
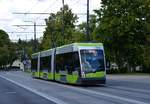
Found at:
(34, 25)
(35, 45)
(87, 28)
(35, 37)
(63, 2)
(54, 41)
(63, 28)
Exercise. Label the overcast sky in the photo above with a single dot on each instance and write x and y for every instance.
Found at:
(8, 19)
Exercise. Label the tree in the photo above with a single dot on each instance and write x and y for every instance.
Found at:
(123, 26)
(4, 38)
(92, 25)
(26, 48)
(7, 50)
(60, 28)
(146, 55)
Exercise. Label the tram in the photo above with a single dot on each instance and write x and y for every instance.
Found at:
(77, 63)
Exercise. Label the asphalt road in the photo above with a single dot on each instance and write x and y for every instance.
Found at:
(11, 93)
(20, 88)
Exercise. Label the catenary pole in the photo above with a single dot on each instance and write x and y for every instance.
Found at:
(87, 28)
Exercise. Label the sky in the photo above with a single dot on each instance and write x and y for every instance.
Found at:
(9, 18)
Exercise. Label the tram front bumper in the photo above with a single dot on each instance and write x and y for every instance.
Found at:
(93, 81)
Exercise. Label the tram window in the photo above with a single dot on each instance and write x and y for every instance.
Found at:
(68, 62)
(34, 64)
(45, 63)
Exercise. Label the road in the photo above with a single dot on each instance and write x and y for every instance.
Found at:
(11, 93)
(120, 89)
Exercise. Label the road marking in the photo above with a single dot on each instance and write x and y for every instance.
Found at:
(98, 93)
(94, 92)
(53, 99)
(132, 89)
(10, 92)
(114, 96)
(110, 95)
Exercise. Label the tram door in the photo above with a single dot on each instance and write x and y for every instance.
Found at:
(68, 66)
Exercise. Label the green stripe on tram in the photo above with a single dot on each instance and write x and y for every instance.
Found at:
(41, 74)
(50, 76)
(95, 75)
(89, 44)
(35, 74)
(57, 76)
(72, 79)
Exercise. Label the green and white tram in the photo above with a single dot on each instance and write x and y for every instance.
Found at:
(77, 63)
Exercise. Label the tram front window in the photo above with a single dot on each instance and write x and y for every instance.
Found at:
(92, 60)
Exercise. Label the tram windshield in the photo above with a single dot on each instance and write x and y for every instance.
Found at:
(92, 60)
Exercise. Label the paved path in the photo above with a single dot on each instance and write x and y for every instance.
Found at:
(120, 89)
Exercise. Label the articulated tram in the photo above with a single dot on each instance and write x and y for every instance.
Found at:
(77, 63)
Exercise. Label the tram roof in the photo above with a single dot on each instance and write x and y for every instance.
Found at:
(82, 44)
(67, 48)
(75, 46)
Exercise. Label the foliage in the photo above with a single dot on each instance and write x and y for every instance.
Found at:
(7, 50)
(123, 28)
(122, 25)
(146, 56)
(92, 25)
(26, 48)
(60, 28)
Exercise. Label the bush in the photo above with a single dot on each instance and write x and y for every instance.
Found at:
(112, 71)
(146, 70)
(123, 70)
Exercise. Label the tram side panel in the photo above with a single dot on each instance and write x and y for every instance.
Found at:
(45, 68)
(34, 67)
(68, 68)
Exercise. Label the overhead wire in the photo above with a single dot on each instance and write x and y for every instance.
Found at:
(75, 2)
(50, 6)
(32, 7)
(31, 10)
(78, 2)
